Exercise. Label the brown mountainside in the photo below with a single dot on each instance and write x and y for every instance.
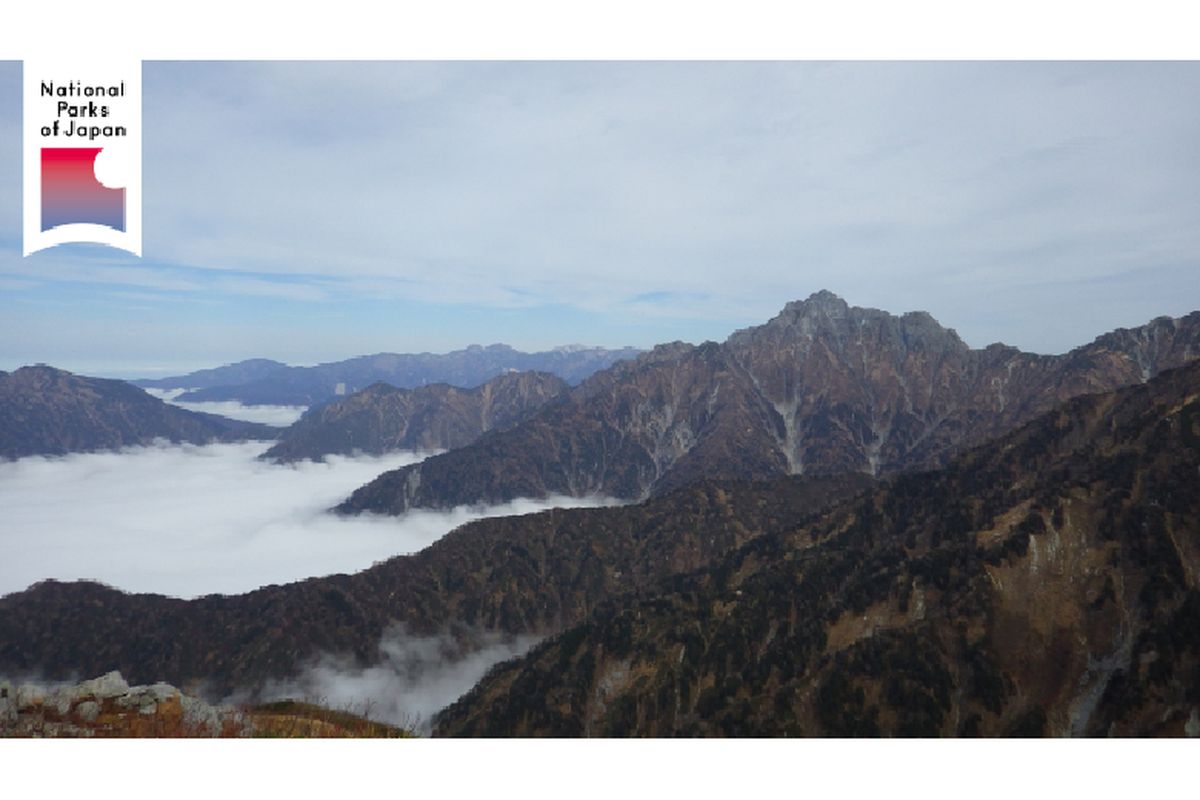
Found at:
(1046, 583)
(47, 411)
(533, 574)
(823, 388)
(382, 418)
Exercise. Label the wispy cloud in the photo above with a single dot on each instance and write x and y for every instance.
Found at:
(488, 188)
(416, 676)
(266, 414)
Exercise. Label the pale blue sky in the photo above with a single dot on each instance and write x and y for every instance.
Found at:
(315, 211)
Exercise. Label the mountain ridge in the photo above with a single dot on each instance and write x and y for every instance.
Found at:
(48, 411)
(531, 574)
(383, 418)
(1043, 583)
(821, 388)
(265, 382)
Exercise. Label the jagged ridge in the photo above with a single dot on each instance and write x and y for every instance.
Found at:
(382, 418)
(823, 388)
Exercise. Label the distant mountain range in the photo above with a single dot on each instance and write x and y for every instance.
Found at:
(265, 382)
(382, 418)
(46, 411)
(823, 388)
(248, 371)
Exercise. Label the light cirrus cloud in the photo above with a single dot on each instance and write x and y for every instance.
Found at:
(949, 187)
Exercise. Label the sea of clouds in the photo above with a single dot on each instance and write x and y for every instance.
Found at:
(268, 415)
(189, 520)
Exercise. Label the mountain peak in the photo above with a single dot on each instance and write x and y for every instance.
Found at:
(41, 375)
(40, 368)
(825, 311)
(824, 296)
(822, 301)
(48, 411)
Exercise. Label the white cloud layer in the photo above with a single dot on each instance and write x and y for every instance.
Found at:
(189, 520)
(281, 416)
(417, 677)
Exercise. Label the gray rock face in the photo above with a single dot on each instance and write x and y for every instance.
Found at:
(161, 691)
(88, 710)
(105, 687)
(28, 695)
(8, 703)
(61, 700)
(77, 710)
(200, 716)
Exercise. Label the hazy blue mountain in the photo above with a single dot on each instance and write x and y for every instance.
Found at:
(262, 382)
(247, 371)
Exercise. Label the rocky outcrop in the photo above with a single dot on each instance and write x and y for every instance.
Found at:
(823, 388)
(46, 411)
(382, 418)
(109, 707)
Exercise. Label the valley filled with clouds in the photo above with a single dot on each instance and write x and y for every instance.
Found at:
(186, 520)
(266, 414)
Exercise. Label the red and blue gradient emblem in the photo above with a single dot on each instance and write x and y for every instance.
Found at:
(71, 193)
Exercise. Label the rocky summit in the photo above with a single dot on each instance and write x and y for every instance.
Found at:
(382, 418)
(823, 388)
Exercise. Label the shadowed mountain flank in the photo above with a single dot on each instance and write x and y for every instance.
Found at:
(46, 411)
(531, 574)
(1045, 583)
(382, 418)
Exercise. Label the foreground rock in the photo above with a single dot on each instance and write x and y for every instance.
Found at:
(108, 707)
